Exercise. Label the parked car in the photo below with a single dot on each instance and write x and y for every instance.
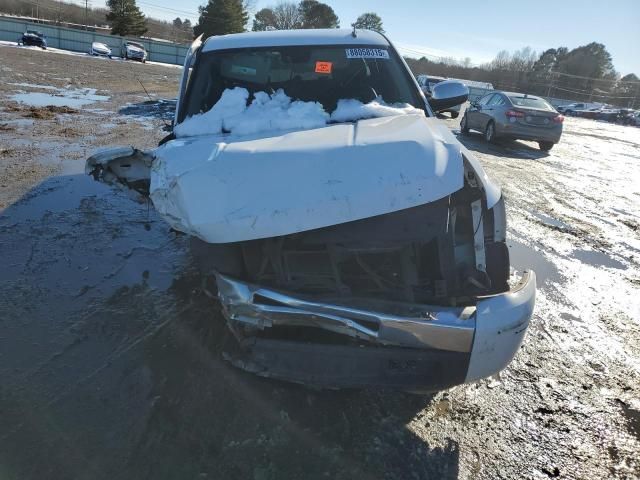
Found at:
(573, 108)
(516, 116)
(33, 38)
(427, 82)
(592, 113)
(133, 51)
(350, 239)
(626, 116)
(100, 49)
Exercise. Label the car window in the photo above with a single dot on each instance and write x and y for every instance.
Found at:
(485, 100)
(323, 74)
(497, 100)
(531, 102)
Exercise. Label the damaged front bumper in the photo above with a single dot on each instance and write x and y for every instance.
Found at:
(337, 344)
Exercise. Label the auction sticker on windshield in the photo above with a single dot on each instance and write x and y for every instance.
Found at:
(367, 53)
(323, 67)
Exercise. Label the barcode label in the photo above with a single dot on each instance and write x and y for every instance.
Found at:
(367, 53)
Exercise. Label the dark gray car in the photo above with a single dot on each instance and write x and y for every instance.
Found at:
(516, 116)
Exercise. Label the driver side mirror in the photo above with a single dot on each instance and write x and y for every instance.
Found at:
(448, 94)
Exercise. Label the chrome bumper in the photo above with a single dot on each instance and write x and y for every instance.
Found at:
(383, 323)
(444, 346)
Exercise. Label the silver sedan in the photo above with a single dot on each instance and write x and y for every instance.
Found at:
(516, 116)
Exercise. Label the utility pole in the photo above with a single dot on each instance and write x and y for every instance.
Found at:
(550, 86)
(86, 13)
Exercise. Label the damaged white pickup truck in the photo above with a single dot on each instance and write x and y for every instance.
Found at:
(353, 240)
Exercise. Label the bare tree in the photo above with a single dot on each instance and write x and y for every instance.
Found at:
(284, 16)
(287, 16)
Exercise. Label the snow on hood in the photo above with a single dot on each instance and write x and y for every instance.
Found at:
(229, 188)
(266, 112)
(279, 112)
(349, 110)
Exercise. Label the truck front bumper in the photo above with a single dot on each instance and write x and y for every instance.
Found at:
(374, 343)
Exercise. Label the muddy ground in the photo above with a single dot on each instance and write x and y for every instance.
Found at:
(110, 352)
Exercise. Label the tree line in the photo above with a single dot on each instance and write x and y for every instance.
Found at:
(585, 73)
(221, 17)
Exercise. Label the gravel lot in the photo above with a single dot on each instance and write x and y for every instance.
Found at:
(110, 352)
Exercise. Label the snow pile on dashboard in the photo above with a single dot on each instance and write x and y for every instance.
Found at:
(349, 110)
(266, 112)
(279, 112)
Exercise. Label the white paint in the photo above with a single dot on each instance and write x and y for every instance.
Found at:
(283, 38)
(228, 189)
(501, 323)
(98, 48)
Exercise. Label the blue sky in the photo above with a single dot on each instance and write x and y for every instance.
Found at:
(479, 29)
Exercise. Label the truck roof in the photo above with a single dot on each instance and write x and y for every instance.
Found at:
(286, 38)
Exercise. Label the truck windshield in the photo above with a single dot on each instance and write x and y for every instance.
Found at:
(323, 74)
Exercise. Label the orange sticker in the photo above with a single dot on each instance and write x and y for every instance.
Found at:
(323, 67)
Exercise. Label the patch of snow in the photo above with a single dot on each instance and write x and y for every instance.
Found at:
(349, 110)
(62, 98)
(33, 85)
(279, 112)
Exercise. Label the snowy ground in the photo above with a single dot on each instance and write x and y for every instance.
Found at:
(110, 351)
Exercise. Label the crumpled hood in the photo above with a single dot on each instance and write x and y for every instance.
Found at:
(224, 189)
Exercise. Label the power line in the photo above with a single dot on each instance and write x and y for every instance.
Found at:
(594, 78)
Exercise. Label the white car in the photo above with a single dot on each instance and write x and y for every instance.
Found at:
(133, 51)
(100, 49)
(351, 239)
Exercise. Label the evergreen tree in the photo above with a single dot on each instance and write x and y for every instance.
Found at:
(317, 15)
(219, 17)
(369, 21)
(126, 18)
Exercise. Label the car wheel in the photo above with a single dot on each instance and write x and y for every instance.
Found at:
(490, 132)
(545, 146)
(464, 126)
(454, 114)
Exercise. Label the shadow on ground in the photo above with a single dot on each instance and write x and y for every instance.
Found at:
(111, 364)
(502, 148)
(161, 108)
